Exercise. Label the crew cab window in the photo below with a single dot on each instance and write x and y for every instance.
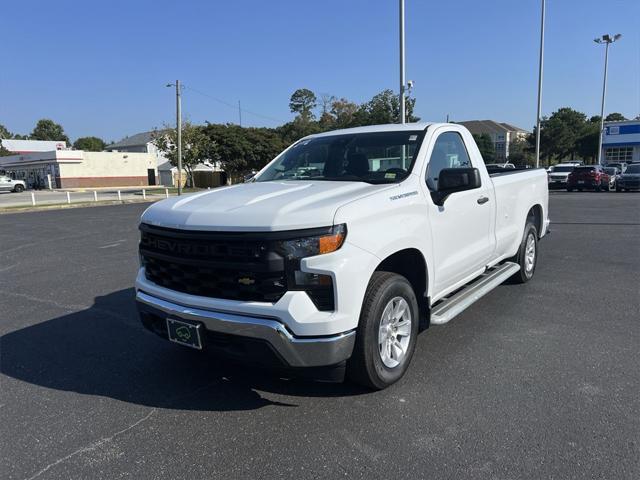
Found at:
(448, 152)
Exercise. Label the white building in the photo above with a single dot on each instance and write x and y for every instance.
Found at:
(502, 135)
(621, 142)
(77, 168)
(143, 143)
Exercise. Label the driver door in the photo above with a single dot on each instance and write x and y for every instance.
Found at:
(462, 228)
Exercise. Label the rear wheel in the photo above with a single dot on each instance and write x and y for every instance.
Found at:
(527, 256)
(387, 332)
(569, 189)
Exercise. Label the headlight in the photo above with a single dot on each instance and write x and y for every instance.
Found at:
(319, 287)
(314, 245)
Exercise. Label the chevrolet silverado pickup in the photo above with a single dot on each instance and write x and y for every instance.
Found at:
(340, 250)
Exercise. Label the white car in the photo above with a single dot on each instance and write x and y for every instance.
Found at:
(8, 184)
(395, 228)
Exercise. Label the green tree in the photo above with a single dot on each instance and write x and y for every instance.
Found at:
(559, 134)
(344, 112)
(385, 108)
(302, 102)
(486, 147)
(240, 150)
(293, 131)
(4, 133)
(587, 142)
(615, 117)
(195, 146)
(47, 129)
(4, 152)
(89, 144)
(520, 153)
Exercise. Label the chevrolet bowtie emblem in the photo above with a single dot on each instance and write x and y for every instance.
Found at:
(246, 281)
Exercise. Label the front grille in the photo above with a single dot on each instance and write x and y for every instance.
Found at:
(232, 266)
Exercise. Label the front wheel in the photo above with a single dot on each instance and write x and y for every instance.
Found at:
(527, 256)
(18, 189)
(569, 189)
(387, 332)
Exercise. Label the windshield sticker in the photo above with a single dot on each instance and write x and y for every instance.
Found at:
(390, 175)
(404, 195)
(413, 138)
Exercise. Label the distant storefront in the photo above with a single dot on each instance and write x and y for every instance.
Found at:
(621, 142)
(80, 169)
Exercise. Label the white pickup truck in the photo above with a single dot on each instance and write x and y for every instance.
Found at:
(340, 250)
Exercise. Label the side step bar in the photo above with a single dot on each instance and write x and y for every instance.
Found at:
(449, 307)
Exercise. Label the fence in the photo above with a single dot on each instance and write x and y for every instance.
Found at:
(55, 197)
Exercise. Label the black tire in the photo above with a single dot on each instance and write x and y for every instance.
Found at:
(18, 189)
(569, 189)
(597, 188)
(526, 271)
(366, 366)
(579, 189)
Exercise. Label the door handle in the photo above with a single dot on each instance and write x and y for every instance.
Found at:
(482, 200)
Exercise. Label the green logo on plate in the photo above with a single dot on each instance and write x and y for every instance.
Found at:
(183, 333)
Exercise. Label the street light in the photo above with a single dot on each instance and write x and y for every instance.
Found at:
(540, 69)
(402, 81)
(606, 40)
(179, 129)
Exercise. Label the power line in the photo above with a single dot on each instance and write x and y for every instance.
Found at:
(230, 105)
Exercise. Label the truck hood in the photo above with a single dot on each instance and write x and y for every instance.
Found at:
(259, 206)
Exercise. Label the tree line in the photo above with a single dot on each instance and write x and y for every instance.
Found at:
(565, 134)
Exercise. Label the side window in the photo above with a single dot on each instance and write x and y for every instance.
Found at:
(448, 152)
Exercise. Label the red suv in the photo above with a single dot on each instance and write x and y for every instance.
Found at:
(592, 177)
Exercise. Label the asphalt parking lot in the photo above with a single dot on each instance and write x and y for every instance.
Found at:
(534, 381)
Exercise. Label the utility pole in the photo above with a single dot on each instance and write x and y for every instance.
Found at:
(402, 78)
(240, 113)
(178, 130)
(540, 69)
(607, 40)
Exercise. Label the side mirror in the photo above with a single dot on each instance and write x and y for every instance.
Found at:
(452, 180)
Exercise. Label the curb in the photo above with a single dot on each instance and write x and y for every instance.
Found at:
(61, 206)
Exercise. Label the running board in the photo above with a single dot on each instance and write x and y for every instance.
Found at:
(449, 307)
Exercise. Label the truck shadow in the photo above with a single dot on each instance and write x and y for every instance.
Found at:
(105, 351)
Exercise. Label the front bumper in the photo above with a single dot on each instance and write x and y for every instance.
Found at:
(291, 350)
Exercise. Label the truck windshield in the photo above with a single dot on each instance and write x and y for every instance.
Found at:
(563, 169)
(375, 157)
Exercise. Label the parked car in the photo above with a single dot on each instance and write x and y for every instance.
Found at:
(613, 173)
(559, 173)
(622, 166)
(590, 177)
(340, 250)
(500, 165)
(11, 185)
(630, 179)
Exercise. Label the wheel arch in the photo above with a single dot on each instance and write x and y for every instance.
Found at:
(535, 214)
(411, 264)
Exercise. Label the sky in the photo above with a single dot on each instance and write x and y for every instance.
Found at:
(101, 68)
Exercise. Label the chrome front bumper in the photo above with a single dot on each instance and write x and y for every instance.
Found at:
(294, 351)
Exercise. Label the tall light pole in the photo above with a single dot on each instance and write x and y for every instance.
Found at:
(540, 69)
(402, 80)
(607, 40)
(179, 130)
